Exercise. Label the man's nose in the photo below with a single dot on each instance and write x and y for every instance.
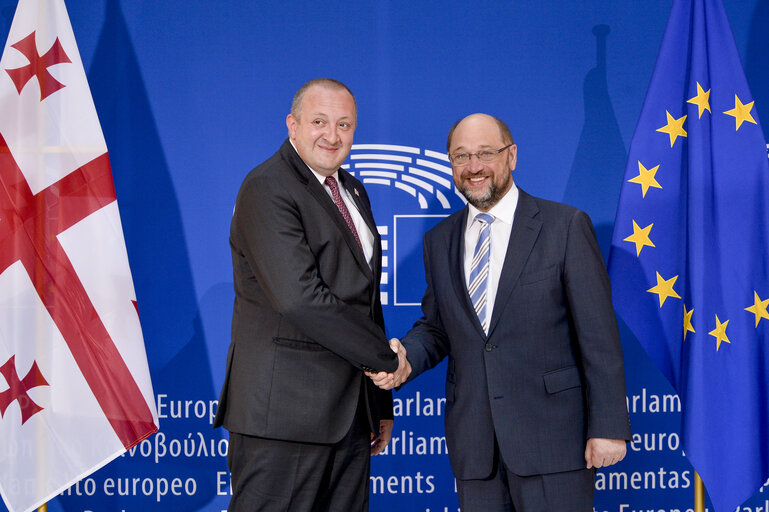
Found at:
(332, 134)
(474, 165)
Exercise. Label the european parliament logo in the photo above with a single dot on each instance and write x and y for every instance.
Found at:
(411, 190)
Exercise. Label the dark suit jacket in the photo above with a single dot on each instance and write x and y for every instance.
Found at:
(550, 373)
(307, 317)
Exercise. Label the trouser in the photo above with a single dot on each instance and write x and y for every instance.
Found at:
(269, 475)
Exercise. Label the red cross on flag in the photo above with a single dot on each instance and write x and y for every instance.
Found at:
(75, 389)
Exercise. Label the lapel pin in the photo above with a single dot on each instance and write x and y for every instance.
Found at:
(356, 191)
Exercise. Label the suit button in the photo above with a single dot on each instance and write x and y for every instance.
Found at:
(489, 347)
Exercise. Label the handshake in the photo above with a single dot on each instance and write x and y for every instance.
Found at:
(392, 380)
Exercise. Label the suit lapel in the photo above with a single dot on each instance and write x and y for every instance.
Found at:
(363, 207)
(319, 193)
(456, 261)
(524, 234)
(316, 190)
(368, 217)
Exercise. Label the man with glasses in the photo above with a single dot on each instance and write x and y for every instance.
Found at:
(519, 300)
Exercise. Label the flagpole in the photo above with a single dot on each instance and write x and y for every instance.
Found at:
(699, 493)
(43, 508)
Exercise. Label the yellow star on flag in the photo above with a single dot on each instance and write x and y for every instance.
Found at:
(688, 321)
(758, 308)
(646, 178)
(664, 288)
(640, 237)
(674, 128)
(702, 100)
(719, 333)
(741, 113)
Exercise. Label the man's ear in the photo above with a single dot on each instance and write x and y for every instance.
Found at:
(512, 156)
(291, 123)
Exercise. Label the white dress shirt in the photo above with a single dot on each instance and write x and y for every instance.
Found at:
(501, 226)
(364, 233)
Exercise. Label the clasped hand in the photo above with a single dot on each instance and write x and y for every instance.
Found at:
(391, 380)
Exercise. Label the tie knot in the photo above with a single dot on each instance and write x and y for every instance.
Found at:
(331, 181)
(485, 218)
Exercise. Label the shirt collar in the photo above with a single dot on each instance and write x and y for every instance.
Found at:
(503, 211)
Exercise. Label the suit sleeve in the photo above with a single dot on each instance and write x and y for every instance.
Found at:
(426, 343)
(270, 234)
(384, 402)
(589, 297)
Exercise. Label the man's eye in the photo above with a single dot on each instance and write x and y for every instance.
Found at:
(487, 154)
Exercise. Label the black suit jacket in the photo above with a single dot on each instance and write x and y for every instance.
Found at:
(307, 317)
(550, 373)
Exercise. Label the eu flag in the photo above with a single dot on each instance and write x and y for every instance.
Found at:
(689, 261)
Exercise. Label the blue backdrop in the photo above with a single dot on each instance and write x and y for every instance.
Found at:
(193, 94)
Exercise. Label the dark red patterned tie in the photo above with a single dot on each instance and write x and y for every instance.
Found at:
(331, 182)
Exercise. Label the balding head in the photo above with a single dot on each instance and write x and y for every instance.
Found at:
(325, 83)
(504, 131)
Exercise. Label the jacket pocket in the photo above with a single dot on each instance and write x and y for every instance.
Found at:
(562, 379)
(539, 275)
(298, 344)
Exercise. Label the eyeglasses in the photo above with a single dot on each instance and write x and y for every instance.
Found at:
(487, 155)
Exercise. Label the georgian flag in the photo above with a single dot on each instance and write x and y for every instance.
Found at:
(75, 389)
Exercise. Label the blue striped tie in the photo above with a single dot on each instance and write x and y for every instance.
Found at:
(479, 270)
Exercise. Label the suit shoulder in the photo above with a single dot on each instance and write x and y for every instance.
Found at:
(555, 208)
(446, 226)
(273, 167)
(555, 211)
(273, 176)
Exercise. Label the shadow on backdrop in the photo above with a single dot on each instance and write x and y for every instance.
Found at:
(757, 63)
(599, 162)
(171, 323)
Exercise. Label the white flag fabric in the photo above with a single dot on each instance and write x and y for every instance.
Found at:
(75, 389)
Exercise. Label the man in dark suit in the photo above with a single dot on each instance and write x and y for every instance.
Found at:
(519, 300)
(307, 322)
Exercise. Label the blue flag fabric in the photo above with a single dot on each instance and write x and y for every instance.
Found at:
(689, 261)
